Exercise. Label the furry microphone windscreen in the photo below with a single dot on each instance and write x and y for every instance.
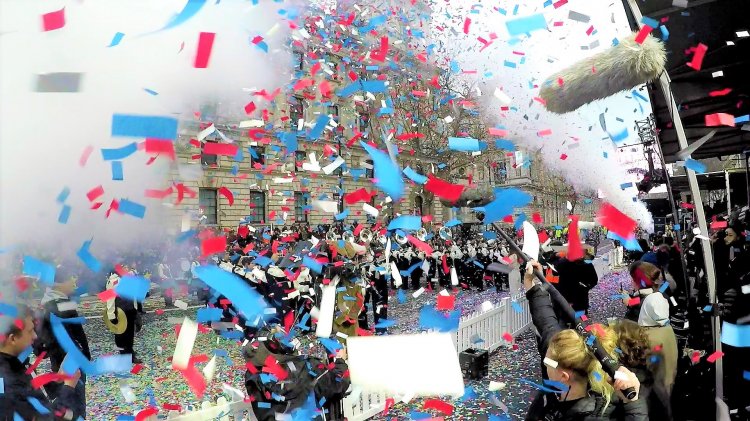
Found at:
(622, 67)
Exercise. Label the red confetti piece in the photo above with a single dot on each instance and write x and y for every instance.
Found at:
(719, 119)
(249, 108)
(356, 196)
(228, 194)
(41, 380)
(439, 405)
(563, 157)
(537, 219)
(388, 405)
(160, 146)
(446, 302)
(95, 193)
(144, 414)
(158, 194)
(498, 132)
(224, 149)
(545, 132)
(560, 3)
(107, 294)
(171, 407)
(634, 301)
(213, 245)
(508, 337)
(203, 54)
(591, 30)
(715, 356)
(575, 250)
(720, 92)
(443, 189)
(272, 366)
(467, 23)
(616, 221)
(419, 244)
(697, 62)
(53, 20)
(36, 362)
(643, 33)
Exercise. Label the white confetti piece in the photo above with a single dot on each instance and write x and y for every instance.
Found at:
(210, 369)
(181, 304)
(184, 346)
(418, 292)
(325, 314)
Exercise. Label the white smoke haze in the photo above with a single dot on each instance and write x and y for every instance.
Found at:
(577, 135)
(43, 135)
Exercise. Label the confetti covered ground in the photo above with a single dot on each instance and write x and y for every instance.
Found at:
(158, 383)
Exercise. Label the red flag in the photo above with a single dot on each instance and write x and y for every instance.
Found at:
(575, 251)
(443, 189)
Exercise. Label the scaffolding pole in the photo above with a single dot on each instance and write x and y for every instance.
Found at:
(708, 259)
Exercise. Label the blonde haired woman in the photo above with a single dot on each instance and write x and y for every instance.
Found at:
(586, 392)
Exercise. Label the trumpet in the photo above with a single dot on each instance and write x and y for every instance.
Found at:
(445, 233)
(401, 239)
(348, 236)
(422, 234)
(365, 236)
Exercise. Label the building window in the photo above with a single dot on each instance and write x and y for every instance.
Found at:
(300, 202)
(296, 112)
(333, 112)
(501, 172)
(208, 160)
(257, 206)
(418, 202)
(369, 169)
(299, 60)
(363, 121)
(337, 199)
(207, 204)
(261, 152)
(299, 158)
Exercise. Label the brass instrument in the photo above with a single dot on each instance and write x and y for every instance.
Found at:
(365, 236)
(422, 234)
(445, 233)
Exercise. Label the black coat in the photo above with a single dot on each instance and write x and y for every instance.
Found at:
(48, 342)
(576, 279)
(19, 393)
(591, 408)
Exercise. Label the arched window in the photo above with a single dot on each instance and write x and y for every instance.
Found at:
(418, 205)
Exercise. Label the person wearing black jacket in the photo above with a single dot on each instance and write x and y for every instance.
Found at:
(19, 396)
(57, 301)
(577, 278)
(587, 393)
(280, 381)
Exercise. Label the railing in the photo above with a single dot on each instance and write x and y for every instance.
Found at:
(511, 316)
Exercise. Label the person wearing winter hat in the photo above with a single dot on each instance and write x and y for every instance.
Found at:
(654, 318)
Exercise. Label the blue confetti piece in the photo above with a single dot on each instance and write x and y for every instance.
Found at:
(206, 315)
(735, 335)
(453, 222)
(155, 127)
(664, 33)
(694, 165)
(116, 39)
(557, 385)
(313, 264)
(518, 223)
(506, 200)
(596, 374)
(75, 358)
(742, 119)
(414, 176)
(676, 227)
(8, 310)
(41, 409)
(510, 64)
(87, 258)
(265, 405)
(320, 125)
(538, 386)
(119, 153)
(469, 394)
(133, 288)
(746, 375)
(232, 334)
(505, 144)
(406, 223)
(430, 318)
(489, 235)
(416, 415)
(629, 243)
(341, 216)
(64, 214)
(525, 25)
(387, 172)
(401, 297)
(466, 144)
(132, 208)
(624, 186)
(374, 86)
(25, 354)
(244, 298)
(580, 314)
(151, 92)
(385, 323)
(516, 307)
(263, 261)
(619, 137)
(663, 287)
(113, 364)
(63, 195)
(590, 340)
(38, 269)
(331, 345)
(191, 8)
(117, 171)
(650, 22)
(185, 235)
